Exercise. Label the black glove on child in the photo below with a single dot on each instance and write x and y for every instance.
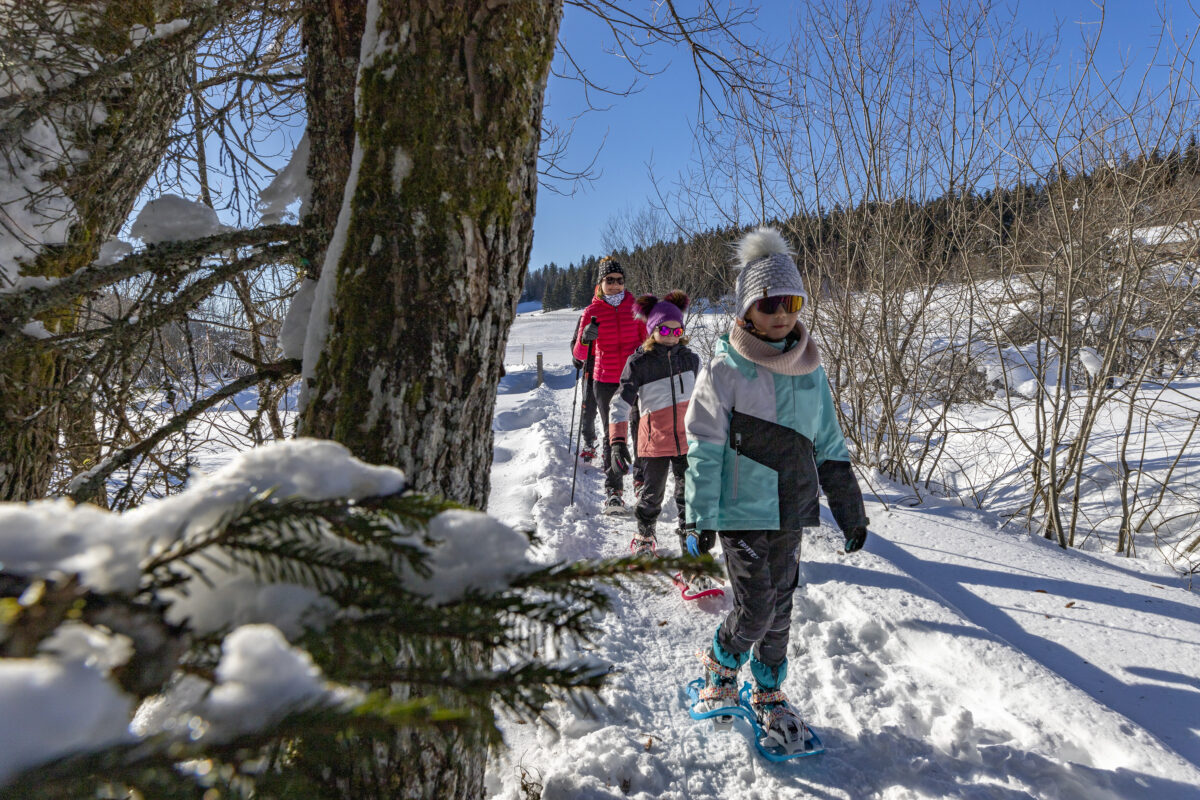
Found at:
(578, 364)
(620, 456)
(855, 539)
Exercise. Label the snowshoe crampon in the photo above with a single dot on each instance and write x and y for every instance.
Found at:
(613, 504)
(779, 732)
(643, 546)
(696, 588)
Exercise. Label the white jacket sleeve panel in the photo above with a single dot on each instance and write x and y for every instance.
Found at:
(708, 411)
(707, 423)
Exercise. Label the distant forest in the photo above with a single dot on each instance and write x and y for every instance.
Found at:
(702, 264)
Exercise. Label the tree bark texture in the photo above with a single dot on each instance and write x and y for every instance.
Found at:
(438, 238)
(332, 32)
(121, 153)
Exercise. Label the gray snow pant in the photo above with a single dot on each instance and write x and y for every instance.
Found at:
(762, 574)
(655, 469)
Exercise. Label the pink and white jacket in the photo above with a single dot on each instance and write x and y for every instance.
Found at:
(660, 381)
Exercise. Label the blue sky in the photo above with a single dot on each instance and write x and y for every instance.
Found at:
(652, 127)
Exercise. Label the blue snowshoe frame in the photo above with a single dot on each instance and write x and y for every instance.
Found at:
(693, 693)
(744, 711)
(815, 746)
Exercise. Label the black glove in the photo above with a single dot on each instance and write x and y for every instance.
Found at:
(855, 539)
(620, 456)
(590, 332)
(578, 364)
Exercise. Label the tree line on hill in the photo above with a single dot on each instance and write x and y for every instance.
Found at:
(701, 262)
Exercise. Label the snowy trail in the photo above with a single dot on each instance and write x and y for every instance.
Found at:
(927, 662)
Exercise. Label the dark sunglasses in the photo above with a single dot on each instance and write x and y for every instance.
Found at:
(669, 330)
(791, 303)
(611, 279)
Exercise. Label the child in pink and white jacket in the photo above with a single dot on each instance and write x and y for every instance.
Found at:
(659, 377)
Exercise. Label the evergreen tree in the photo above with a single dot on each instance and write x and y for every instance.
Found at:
(583, 289)
(1191, 155)
(551, 292)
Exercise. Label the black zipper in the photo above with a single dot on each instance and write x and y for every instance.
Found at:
(674, 402)
(737, 453)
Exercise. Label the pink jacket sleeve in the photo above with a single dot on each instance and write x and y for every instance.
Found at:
(580, 349)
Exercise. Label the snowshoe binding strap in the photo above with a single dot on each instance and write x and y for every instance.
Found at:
(762, 698)
(719, 695)
(712, 664)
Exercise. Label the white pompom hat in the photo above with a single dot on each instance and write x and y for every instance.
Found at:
(767, 269)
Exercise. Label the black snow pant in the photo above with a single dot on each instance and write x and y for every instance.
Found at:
(655, 469)
(604, 394)
(587, 416)
(763, 573)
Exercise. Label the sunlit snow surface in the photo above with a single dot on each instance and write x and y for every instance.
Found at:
(952, 658)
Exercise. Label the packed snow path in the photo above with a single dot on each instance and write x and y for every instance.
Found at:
(949, 659)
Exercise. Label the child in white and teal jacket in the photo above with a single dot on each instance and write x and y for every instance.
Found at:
(763, 438)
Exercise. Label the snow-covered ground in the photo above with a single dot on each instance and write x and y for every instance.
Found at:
(951, 658)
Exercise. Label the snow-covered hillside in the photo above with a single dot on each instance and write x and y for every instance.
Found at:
(949, 659)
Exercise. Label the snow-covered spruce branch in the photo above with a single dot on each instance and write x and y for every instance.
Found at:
(17, 308)
(84, 487)
(383, 588)
(286, 540)
(158, 766)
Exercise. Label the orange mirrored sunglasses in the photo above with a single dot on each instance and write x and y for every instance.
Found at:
(790, 303)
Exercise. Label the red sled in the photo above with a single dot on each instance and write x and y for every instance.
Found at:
(685, 590)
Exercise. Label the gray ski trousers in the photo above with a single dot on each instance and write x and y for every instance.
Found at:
(762, 575)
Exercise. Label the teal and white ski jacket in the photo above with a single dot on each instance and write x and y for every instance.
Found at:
(761, 444)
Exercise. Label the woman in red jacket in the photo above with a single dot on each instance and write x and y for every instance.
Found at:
(620, 334)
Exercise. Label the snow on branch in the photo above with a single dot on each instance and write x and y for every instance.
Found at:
(167, 257)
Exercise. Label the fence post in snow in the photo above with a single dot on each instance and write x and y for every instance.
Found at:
(539, 363)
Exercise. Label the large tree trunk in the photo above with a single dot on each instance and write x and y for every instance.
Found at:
(420, 282)
(332, 32)
(437, 236)
(119, 154)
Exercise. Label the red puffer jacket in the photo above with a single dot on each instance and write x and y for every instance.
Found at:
(620, 335)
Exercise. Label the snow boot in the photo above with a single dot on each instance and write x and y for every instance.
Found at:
(784, 732)
(588, 453)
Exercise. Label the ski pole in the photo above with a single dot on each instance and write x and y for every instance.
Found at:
(589, 335)
(578, 431)
(573, 398)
